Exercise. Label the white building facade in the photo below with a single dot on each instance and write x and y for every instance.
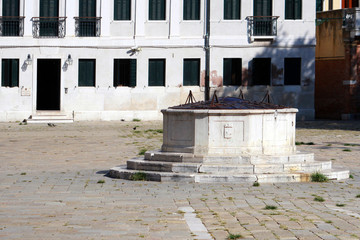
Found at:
(126, 59)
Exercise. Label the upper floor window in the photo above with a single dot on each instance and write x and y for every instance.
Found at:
(319, 5)
(232, 9)
(157, 9)
(191, 10)
(122, 9)
(262, 8)
(87, 24)
(293, 9)
(10, 73)
(11, 24)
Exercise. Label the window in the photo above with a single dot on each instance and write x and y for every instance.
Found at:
(87, 72)
(10, 24)
(122, 9)
(293, 9)
(292, 67)
(49, 24)
(10, 73)
(156, 72)
(88, 24)
(262, 7)
(157, 9)
(261, 71)
(191, 10)
(319, 5)
(232, 9)
(330, 2)
(232, 71)
(125, 72)
(191, 74)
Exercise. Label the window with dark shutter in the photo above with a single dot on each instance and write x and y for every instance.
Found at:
(232, 9)
(232, 71)
(87, 72)
(191, 9)
(87, 14)
(156, 72)
(261, 71)
(125, 72)
(122, 9)
(10, 26)
(49, 11)
(293, 9)
(191, 72)
(262, 7)
(10, 73)
(157, 9)
(292, 68)
(319, 5)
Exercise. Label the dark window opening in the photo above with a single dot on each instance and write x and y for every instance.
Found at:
(292, 68)
(191, 10)
(49, 21)
(261, 71)
(232, 9)
(87, 72)
(293, 9)
(319, 5)
(156, 72)
(330, 4)
(122, 9)
(125, 72)
(191, 72)
(157, 9)
(10, 24)
(232, 71)
(10, 73)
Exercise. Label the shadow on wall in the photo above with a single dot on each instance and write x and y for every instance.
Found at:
(255, 85)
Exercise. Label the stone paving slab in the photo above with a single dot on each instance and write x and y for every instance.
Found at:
(52, 186)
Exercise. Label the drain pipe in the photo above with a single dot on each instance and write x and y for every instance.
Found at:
(207, 51)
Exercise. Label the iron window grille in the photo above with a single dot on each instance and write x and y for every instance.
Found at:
(49, 27)
(12, 26)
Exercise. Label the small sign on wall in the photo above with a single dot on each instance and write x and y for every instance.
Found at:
(25, 91)
(228, 131)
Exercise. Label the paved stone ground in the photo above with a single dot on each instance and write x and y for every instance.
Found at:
(52, 186)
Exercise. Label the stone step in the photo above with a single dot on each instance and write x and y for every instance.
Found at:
(50, 117)
(299, 157)
(123, 173)
(177, 167)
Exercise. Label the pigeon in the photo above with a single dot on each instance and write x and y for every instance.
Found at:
(51, 125)
(134, 128)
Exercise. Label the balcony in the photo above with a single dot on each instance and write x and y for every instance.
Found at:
(87, 26)
(262, 27)
(12, 26)
(49, 27)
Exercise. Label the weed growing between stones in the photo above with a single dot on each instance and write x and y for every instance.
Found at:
(319, 199)
(256, 184)
(139, 176)
(101, 181)
(136, 120)
(303, 143)
(318, 177)
(358, 196)
(234, 236)
(270, 207)
(340, 205)
(142, 151)
(346, 150)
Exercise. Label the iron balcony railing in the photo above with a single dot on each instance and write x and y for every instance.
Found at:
(87, 26)
(49, 27)
(12, 26)
(262, 26)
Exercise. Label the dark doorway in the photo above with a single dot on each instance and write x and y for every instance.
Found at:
(48, 84)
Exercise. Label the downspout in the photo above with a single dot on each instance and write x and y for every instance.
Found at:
(207, 51)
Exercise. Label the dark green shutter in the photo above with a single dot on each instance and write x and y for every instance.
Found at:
(157, 72)
(49, 8)
(87, 72)
(10, 73)
(262, 7)
(232, 71)
(293, 9)
(122, 9)
(319, 5)
(191, 10)
(11, 8)
(10, 26)
(157, 9)
(87, 8)
(132, 73)
(191, 72)
(232, 9)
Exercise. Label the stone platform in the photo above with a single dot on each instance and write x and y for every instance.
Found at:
(185, 167)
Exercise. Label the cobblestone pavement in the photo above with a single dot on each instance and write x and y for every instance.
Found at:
(52, 186)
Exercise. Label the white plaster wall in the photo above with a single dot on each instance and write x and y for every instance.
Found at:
(173, 40)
